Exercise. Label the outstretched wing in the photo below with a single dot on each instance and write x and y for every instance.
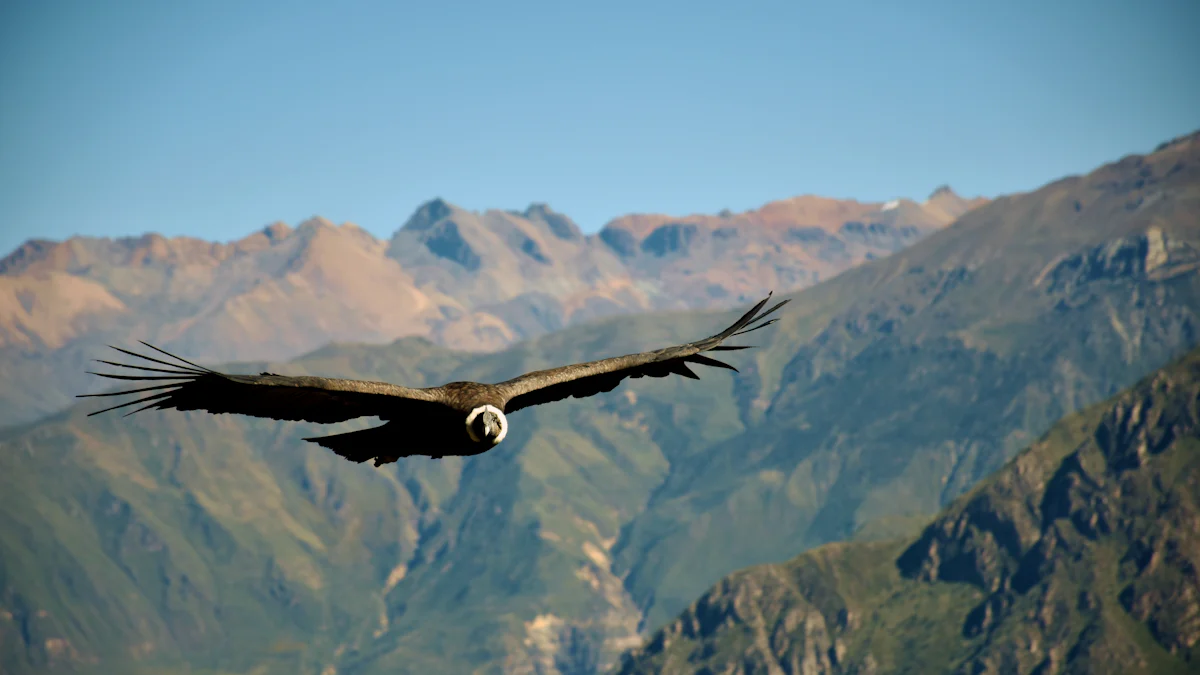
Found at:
(588, 379)
(309, 399)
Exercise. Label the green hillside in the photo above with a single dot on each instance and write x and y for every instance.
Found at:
(1079, 556)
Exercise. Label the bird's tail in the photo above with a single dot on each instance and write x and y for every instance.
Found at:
(361, 445)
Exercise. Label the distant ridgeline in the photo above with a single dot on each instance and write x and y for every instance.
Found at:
(466, 280)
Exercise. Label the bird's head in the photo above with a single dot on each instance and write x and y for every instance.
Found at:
(486, 424)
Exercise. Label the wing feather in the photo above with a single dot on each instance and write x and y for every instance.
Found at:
(707, 361)
(303, 398)
(594, 377)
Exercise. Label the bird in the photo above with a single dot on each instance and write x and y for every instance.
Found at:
(454, 419)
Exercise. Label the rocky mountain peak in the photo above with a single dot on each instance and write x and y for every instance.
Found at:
(1179, 141)
(277, 231)
(941, 191)
(32, 251)
(560, 225)
(315, 223)
(428, 214)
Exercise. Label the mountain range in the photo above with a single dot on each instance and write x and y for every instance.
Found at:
(181, 542)
(1079, 556)
(466, 280)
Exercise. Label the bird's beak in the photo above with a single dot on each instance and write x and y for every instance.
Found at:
(491, 425)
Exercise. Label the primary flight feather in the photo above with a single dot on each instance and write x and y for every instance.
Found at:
(457, 418)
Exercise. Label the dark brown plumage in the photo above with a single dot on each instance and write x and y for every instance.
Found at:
(458, 418)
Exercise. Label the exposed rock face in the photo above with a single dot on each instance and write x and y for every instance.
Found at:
(1152, 255)
(444, 241)
(1057, 564)
(669, 239)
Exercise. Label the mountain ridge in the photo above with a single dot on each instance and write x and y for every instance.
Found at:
(466, 279)
(949, 321)
(1077, 556)
(35, 250)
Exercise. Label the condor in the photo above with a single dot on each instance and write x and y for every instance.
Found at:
(458, 418)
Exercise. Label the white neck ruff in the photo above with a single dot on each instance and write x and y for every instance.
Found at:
(495, 411)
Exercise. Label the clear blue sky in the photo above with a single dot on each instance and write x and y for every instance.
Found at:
(216, 118)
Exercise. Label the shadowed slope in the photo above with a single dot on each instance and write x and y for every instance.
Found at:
(1079, 556)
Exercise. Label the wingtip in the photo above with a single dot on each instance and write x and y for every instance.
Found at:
(754, 328)
(177, 358)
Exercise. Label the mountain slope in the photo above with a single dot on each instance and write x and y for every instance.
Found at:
(197, 538)
(891, 389)
(879, 397)
(467, 280)
(1079, 556)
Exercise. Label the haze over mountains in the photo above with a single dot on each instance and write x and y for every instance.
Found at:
(163, 539)
(475, 281)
